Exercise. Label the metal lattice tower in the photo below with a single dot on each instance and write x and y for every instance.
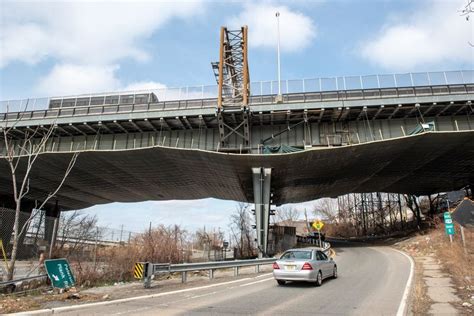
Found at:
(232, 76)
(232, 72)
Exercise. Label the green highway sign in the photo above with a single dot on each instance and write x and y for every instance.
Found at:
(59, 272)
(448, 224)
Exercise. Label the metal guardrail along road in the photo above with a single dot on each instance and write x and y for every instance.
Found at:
(42, 276)
(151, 269)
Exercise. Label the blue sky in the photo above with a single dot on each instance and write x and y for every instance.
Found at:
(64, 47)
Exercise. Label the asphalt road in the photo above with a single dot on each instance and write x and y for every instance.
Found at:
(371, 282)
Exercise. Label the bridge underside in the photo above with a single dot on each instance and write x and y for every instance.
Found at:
(419, 164)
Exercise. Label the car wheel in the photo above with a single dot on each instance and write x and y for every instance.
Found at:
(281, 282)
(319, 279)
(334, 272)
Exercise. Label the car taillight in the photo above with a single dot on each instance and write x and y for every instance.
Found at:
(275, 266)
(307, 266)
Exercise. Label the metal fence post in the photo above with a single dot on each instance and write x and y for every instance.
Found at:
(55, 234)
(183, 276)
(236, 271)
(211, 274)
(148, 273)
(257, 268)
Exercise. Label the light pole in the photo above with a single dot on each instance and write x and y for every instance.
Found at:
(279, 98)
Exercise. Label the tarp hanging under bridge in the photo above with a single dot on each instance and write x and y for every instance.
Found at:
(420, 164)
(283, 149)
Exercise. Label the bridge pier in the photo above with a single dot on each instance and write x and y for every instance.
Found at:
(51, 214)
(51, 225)
(261, 188)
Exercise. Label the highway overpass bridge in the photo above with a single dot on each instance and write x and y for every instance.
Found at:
(318, 140)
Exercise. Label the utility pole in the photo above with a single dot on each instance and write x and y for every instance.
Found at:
(279, 97)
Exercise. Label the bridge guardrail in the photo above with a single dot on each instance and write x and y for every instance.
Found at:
(13, 112)
(201, 96)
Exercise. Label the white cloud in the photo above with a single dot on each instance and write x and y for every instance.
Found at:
(68, 79)
(296, 29)
(72, 79)
(85, 40)
(434, 35)
(95, 32)
(144, 85)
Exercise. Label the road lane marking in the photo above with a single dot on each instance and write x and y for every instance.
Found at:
(125, 300)
(260, 281)
(263, 275)
(403, 303)
(202, 295)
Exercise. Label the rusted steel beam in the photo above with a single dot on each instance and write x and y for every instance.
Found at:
(221, 69)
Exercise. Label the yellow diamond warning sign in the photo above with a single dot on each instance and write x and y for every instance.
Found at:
(318, 225)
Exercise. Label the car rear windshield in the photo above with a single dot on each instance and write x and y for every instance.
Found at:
(297, 255)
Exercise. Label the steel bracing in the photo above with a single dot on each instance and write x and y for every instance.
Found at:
(232, 76)
(232, 71)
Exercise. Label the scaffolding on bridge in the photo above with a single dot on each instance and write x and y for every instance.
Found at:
(233, 80)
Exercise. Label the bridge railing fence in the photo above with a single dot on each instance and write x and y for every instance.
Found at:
(203, 92)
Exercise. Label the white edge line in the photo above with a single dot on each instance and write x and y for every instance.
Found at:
(403, 303)
(122, 300)
(263, 275)
(255, 282)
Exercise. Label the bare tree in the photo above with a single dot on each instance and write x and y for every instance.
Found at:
(162, 244)
(241, 230)
(212, 240)
(77, 231)
(286, 215)
(414, 206)
(466, 11)
(20, 154)
(327, 209)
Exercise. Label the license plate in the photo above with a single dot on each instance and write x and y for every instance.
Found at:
(290, 267)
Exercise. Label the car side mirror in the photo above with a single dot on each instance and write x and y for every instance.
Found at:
(330, 258)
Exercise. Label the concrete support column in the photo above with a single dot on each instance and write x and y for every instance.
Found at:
(261, 188)
(52, 214)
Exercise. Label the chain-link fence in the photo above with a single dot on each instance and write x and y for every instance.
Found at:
(256, 88)
(34, 236)
(76, 237)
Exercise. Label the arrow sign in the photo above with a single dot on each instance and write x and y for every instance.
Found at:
(59, 273)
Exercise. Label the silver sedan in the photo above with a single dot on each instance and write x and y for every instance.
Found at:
(304, 264)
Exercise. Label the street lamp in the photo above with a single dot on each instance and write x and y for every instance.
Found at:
(279, 97)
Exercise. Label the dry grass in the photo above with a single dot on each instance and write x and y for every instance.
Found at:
(15, 304)
(115, 264)
(456, 260)
(419, 300)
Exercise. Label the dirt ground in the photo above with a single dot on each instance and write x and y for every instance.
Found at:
(457, 262)
(50, 299)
